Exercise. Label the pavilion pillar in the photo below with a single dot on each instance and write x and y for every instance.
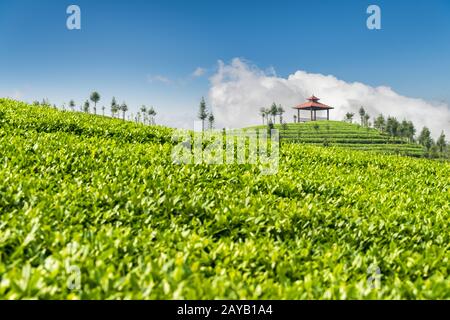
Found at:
(298, 115)
(328, 114)
(315, 115)
(311, 114)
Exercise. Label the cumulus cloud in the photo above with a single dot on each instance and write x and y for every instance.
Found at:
(198, 72)
(239, 89)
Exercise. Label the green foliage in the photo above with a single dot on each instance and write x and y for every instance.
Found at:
(280, 111)
(211, 120)
(86, 106)
(72, 105)
(349, 116)
(95, 97)
(440, 142)
(114, 106)
(380, 123)
(273, 111)
(362, 114)
(392, 126)
(124, 109)
(425, 138)
(103, 195)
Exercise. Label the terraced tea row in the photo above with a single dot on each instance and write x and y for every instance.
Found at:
(342, 134)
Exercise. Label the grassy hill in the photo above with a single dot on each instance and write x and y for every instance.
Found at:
(343, 134)
(94, 208)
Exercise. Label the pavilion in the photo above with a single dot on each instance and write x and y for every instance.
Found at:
(313, 105)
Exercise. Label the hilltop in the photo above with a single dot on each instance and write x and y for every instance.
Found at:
(94, 208)
(347, 135)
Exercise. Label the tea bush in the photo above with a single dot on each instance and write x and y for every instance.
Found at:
(102, 196)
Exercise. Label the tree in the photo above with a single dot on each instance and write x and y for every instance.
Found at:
(280, 112)
(95, 97)
(392, 126)
(202, 114)
(362, 113)
(411, 131)
(152, 113)
(273, 111)
(380, 123)
(262, 112)
(434, 150)
(144, 112)
(366, 120)
(425, 138)
(124, 109)
(211, 120)
(114, 107)
(86, 106)
(404, 129)
(441, 143)
(72, 105)
(349, 117)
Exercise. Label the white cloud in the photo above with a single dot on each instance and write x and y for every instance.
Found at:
(238, 90)
(159, 78)
(199, 72)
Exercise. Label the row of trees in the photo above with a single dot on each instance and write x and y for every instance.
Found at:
(393, 127)
(269, 114)
(404, 129)
(389, 125)
(433, 148)
(146, 114)
(204, 115)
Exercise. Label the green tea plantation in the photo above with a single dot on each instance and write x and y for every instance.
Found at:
(350, 136)
(94, 208)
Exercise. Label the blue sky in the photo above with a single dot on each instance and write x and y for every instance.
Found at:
(144, 52)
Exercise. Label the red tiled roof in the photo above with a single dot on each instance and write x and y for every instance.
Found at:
(313, 103)
(313, 98)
